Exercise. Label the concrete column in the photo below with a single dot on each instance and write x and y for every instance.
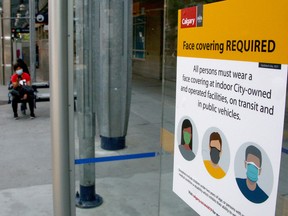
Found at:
(113, 73)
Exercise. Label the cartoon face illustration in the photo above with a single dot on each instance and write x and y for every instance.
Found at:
(186, 145)
(215, 153)
(215, 147)
(249, 186)
(253, 166)
(187, 134)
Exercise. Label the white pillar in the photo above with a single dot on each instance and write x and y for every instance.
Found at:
(61, 101)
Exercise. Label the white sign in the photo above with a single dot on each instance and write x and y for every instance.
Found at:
(228, 135)
(230, 105)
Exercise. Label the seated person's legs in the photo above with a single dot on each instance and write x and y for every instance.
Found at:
(30, 100)
(22, 95)
(15, 101)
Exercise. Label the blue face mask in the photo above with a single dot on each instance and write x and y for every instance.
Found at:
(252, 172)
(19, 72)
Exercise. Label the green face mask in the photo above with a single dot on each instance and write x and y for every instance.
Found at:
(187, 137)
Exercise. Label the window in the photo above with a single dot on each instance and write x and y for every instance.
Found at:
(139, 37)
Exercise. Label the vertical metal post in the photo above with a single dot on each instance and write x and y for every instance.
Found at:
(7, 43)
(85, 23)
(61, 106)
(2, 47)
(70, 41)
(32, 39)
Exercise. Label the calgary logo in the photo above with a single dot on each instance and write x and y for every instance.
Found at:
(191, 17)
(188, 22)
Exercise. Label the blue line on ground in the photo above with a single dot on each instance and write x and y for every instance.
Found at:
(127, 157)
(116, 158)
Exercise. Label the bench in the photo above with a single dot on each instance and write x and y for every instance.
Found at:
(40, 97)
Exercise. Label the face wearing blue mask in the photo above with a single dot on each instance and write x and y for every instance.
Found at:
(252, 171)
(19, 72)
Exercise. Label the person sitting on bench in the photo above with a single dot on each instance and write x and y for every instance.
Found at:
(22, 90)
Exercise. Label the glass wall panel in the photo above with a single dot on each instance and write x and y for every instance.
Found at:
(125, 180)
(170, 203)
(137, 178)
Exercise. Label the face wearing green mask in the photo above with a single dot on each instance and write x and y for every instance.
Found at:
(186, 137)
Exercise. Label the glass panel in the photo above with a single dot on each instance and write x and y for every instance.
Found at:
(170, 203)
(118, 115)
(129, 177)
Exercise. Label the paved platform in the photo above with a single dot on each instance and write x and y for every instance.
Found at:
(25, 161)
